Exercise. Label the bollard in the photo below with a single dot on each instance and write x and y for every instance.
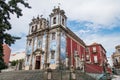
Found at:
(49, 74)
(72, 74)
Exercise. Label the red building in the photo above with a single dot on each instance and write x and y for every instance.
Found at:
(75, 50)
(6, 52)
(96, 60)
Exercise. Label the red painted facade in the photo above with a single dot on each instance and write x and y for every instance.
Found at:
(72, 46)
(97, 58)
(6, 52)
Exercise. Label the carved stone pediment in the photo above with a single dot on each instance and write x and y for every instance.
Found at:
(38, 51)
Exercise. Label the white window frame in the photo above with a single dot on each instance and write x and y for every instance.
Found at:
(94, 49)
(95, 59)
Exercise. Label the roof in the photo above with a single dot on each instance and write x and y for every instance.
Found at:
(95, 44)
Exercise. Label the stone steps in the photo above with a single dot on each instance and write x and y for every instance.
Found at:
(41, 75)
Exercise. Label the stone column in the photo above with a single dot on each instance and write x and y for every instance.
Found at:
(58, 49)
(76, 62)
(33, 62)
(71, 55)
(46, 50)
(67, 60)
(31, 56)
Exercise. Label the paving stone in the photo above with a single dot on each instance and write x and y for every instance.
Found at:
(42, 75)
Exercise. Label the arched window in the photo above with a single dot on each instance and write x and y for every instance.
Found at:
(32, 28)
(54, 20)
(63, 21)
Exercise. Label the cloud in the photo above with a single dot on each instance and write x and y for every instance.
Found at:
(101, 13)
(90, 16)
(108, 41)
(97, 11)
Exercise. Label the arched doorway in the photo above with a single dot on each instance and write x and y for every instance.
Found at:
(37, 65)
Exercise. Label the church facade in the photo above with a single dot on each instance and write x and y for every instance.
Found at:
(52, 42)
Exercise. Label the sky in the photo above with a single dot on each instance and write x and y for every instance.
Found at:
(92, 20)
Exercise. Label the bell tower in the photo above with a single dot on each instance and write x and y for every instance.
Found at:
(58, 17)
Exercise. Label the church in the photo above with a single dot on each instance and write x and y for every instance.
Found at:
(51, 42)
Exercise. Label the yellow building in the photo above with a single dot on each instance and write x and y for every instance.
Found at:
(116, 57)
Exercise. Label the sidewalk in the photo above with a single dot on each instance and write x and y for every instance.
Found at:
(116, 77)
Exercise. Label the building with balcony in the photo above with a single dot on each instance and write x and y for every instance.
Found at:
(116, 57)
(96, 60)
(51, 42)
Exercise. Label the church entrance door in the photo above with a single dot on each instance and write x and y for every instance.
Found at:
(37, 65)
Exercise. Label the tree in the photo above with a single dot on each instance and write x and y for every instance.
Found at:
(8, 7)
(14, 62)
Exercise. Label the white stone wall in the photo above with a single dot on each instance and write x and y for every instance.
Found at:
(17, 56)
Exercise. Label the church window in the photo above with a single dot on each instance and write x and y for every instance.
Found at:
(54, 20)
(52, 55)
(63, 21)
(32, 28)
(53, 36)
